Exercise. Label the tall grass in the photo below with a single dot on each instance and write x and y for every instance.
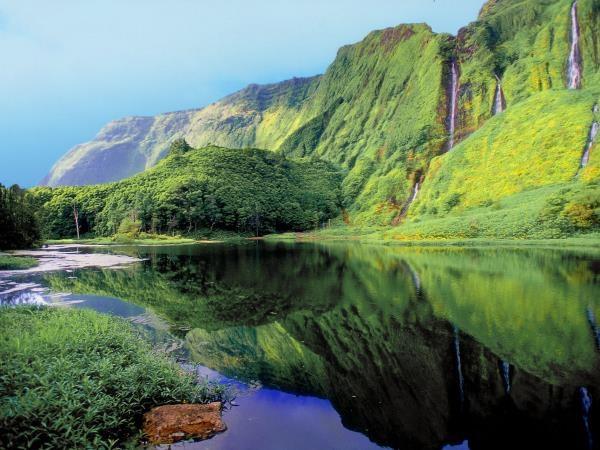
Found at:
(79, 379)
(8, 262)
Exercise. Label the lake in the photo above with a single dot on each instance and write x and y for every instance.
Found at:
(350, 346)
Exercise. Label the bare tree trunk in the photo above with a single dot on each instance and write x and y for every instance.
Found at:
(76, 216)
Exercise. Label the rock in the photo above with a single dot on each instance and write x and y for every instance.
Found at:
(172, 423)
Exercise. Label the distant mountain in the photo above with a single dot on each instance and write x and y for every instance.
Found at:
(427, 125)
(133, 144)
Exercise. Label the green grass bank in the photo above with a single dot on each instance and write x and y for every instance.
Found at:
(79, 379)
(8, 262)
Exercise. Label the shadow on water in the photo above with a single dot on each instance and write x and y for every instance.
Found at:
(414, 348)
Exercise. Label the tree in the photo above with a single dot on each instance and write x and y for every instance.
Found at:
(179, 147)
(18, 224)
(76, 217)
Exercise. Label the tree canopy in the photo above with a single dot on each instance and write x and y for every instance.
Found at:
(246, 190)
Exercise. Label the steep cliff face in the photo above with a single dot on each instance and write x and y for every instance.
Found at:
(403, 110)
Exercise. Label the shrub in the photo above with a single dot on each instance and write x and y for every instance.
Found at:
(129, 228)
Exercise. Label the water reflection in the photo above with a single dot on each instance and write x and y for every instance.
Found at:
(414, 348)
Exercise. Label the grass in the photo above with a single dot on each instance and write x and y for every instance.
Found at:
(203, 235)
(380, 236)
(8, 262)
(80, 379)
(142, 239)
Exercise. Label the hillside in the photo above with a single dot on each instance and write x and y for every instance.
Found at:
(429, 126)
(193, 189)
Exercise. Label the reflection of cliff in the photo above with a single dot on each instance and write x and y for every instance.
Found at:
(528, 306)
(267, 354)
(229, 286)
(396, 382)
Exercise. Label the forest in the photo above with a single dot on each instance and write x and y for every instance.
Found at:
(245, 191)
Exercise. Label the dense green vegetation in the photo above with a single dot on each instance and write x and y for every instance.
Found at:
(18, 224)
(8, 262)
(79, 379)
(247, 191)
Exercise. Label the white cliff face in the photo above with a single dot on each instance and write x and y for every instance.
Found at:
(574, 62)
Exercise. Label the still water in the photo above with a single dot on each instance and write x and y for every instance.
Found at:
(357, 347)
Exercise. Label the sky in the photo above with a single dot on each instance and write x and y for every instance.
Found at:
(67, 67)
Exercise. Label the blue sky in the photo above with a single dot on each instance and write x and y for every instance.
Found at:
(69, 66)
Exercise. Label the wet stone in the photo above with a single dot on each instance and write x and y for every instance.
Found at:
(172, 423)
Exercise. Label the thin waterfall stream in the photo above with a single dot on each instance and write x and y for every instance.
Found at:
(499, 102)
(594, 326)
(413, 195)
(505, 369)
(454, 91)
(574, 62)
(585, 159)
(461, 380)
(586, 407)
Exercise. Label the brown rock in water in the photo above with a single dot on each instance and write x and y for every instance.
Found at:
(171, 423)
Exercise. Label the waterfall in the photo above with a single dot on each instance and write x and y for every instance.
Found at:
(461, 381)
(411, 199)
(415, 192)
(505, 368)
(574, 63)
(453, 104)
(595, 329)
(586, 407)
(590, 143)
(498, 99)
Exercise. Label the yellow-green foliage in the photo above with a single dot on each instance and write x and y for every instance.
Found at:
(387, 123)
(535, 143)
